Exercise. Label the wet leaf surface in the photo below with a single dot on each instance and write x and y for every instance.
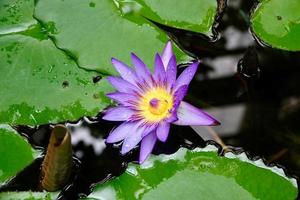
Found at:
(27, 196)
(192, 15)
(199, 174)
(95, 31)
(15, 153)
(16, 15)
(277, 23)
(42, 85)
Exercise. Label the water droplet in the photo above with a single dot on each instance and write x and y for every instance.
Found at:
(96, 96)
(65, 84)
(51, 68)
(97, 78)
(92, 4)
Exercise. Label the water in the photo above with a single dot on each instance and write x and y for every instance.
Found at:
(253, 90)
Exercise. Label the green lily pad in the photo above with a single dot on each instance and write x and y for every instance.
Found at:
(93, 31)
(15, 153)
(28, 195)
(277, 23)
(16, 15)
(199, 174)
(41, 84)
(192, 15)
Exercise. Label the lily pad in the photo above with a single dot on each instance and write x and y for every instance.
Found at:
(192, 15)
(199, 174)
(277, 23)
(40, 84)
(28, 195)
(93, 31)
(15, 153)
(16, 15)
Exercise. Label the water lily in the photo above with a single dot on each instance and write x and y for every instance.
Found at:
(149, 103)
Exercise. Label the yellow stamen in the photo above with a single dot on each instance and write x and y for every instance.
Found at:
(155, 105)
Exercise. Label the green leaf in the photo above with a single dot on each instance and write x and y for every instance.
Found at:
(199, 174)
(277, 23)
(28, 195)
(16, 15)
(93, 31)
(15, 153)
(40, 84)
(192, 15)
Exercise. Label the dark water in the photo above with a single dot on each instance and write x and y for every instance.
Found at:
(252, 89)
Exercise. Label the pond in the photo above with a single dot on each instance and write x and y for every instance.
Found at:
(250, 87)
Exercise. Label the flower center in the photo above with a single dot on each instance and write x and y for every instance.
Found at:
(158, 107)
(155, 104)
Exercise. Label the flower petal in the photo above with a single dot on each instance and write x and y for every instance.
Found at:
(124, 98)
(119, 113)
(159, 70)
(162, 131)
(142, 70)
(171, 71)
(186, 76)
(135, 137)
(179, 95)
(126, 72)
(121, 85)
(147, 145)
(167, 54)
(190, 115)
(173, 117)
(120, 132)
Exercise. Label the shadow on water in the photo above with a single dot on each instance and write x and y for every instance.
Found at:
(253, 90)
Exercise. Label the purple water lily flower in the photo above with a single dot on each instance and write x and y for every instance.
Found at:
(149, 103)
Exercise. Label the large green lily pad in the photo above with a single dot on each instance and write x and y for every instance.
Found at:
(277, 23)
(15, 153)
(28, 195)
(16, 15)
(40, 84)
(192, 15)
(199, 174)
(93, 31)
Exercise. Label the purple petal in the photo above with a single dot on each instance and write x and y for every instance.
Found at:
(159, 71)
(121, 132)
(147, 145)
(173, 117)
(186, 76)
(119, 113)
(179, 95)
(121, 85)
(171, 71)
(142, 70)
(135, 137)
(153, 126)
(162, 131)
(124, 98)
(126, 72)
(167, 54)
(190, 115)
